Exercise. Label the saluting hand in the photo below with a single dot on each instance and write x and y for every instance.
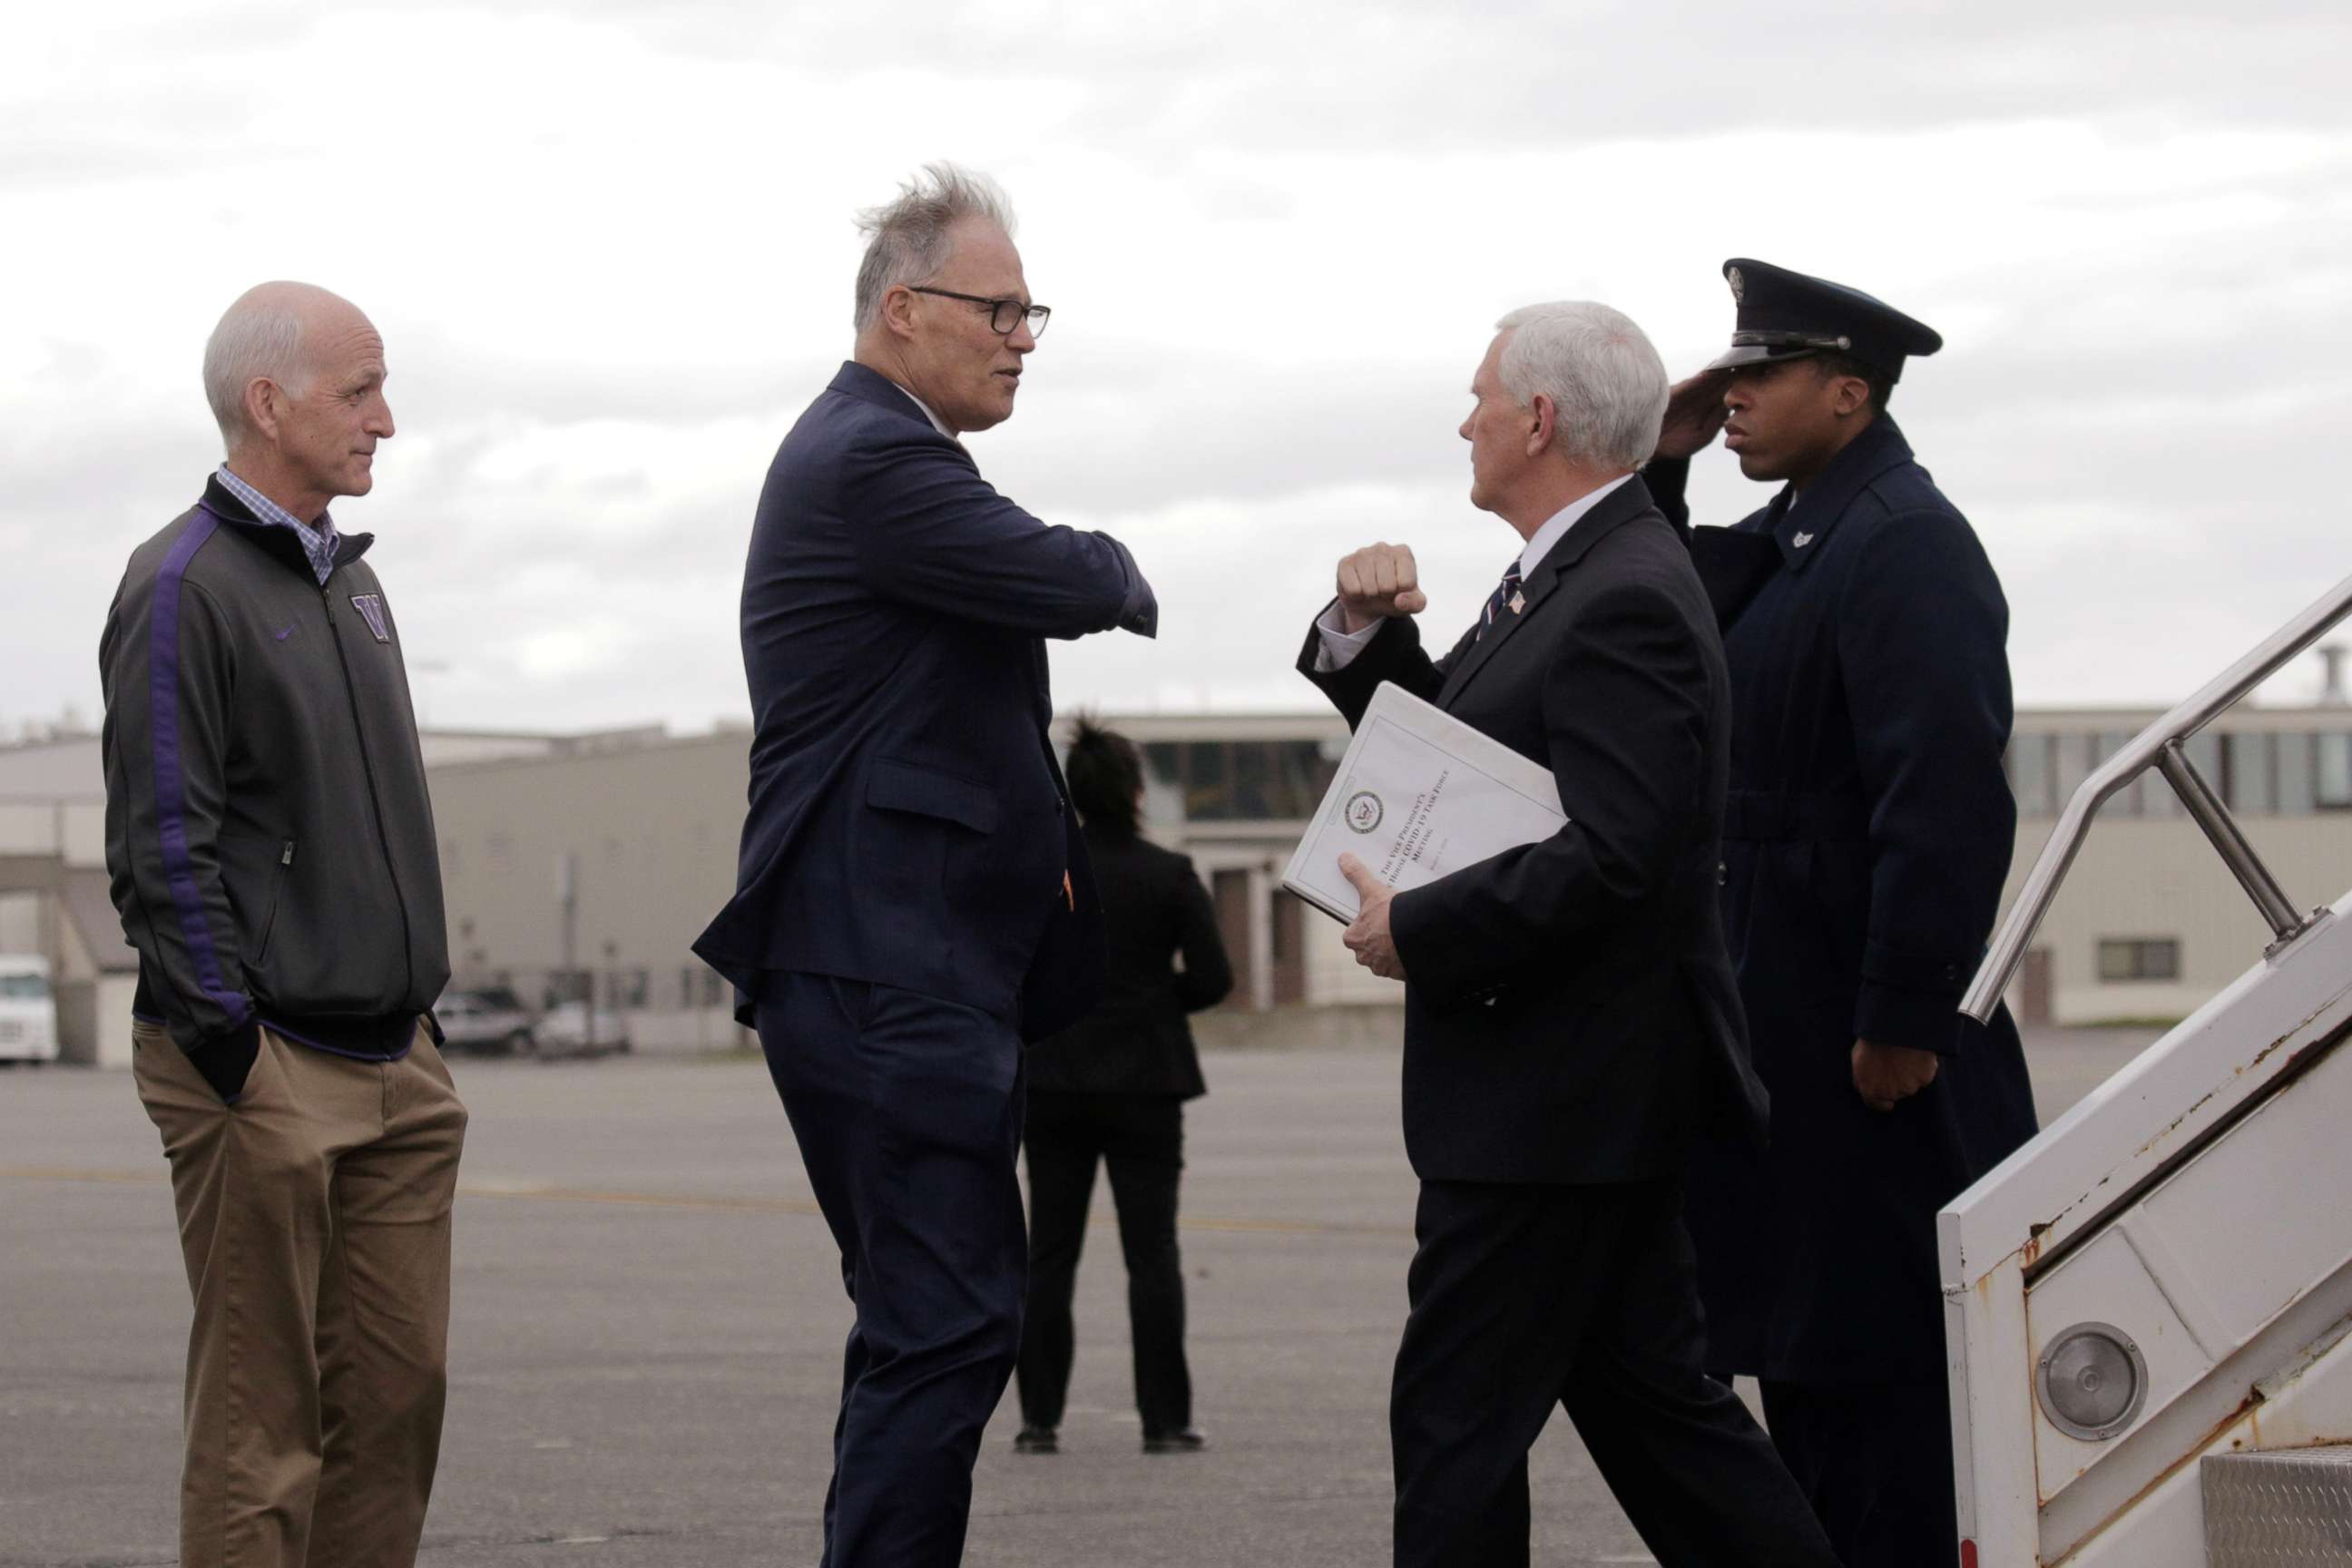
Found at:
(1379, 583)
(1885, 1074)
(1368, 938)
(1695, 413)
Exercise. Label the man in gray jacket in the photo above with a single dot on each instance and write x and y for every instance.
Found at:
(272, 853)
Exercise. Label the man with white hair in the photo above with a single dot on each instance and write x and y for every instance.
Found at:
(912, 898)
(273, 859)
(1570, 1019)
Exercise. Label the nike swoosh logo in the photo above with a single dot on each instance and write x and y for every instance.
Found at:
(290, 628)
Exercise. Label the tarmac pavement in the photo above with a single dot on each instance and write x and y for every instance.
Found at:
(648, 1321)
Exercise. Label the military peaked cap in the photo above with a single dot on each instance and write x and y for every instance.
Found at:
(1787, 315)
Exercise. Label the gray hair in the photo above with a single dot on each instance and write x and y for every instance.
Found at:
(259, 335)
(1600, 373)
(908, 240)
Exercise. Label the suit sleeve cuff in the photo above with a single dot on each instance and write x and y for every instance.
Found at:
(1340, 646)
(1139, 611)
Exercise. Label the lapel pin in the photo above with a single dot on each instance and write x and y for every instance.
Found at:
(1519, 603)
(1801, 541)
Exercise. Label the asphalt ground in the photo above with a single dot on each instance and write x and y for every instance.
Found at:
(648, 1319)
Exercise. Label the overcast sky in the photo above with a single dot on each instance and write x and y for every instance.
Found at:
(609, 243)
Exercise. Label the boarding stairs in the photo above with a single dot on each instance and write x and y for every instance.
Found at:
(2147, 1309)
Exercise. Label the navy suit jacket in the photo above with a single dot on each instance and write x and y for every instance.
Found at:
(907, 823)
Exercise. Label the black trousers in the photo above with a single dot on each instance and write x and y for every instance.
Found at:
(908, 1110)
(1141, 1137)
(1875, 1460)
(1527, 1296)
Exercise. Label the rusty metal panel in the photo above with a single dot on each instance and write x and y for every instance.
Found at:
(2291, 1508)
(2175, 1205)
(2107, 1282)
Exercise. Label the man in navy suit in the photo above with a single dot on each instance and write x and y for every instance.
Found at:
(912, 898)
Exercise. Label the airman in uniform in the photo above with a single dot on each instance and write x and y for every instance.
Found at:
(1869, 829)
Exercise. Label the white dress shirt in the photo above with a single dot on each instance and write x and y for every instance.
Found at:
(925, 407)
(1341, 646)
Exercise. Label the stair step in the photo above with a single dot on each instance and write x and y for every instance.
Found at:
(2289, 1508)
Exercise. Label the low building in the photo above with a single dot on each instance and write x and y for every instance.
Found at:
(54, 903)
(2148, 925)
(55, 900)
(574, 863)
(2150, 922)
(599, 867)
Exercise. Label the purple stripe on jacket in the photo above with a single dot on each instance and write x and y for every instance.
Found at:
(171, 786)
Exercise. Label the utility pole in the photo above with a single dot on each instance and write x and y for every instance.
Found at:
(567, 903)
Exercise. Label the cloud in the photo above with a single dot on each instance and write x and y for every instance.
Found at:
(609, 244)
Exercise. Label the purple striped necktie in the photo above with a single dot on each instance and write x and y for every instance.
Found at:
(1506, 595)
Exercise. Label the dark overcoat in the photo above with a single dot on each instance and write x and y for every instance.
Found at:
(1867, 837)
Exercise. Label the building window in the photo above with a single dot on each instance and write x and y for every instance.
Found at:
(2070, 754)
(2125, 802)
(1303, 774)
(2140, 958)
(2335, 791)
(1242, 781)
(2030, 777)
(698, 986)
(1252, 801)
(2294, 796)
(2249, 786)
(1208, 794)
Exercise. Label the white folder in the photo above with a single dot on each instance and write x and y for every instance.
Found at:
(1419, 794)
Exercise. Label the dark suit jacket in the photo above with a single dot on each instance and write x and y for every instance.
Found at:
(1138, 1041)
(1570, 1014)
(907, 822)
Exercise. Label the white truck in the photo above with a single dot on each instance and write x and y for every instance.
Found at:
(28, 1010)
(2148, 1308)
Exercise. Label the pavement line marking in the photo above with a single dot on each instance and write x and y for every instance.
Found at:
(724, 1203)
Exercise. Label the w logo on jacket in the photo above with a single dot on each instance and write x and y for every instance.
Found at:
(371, 607)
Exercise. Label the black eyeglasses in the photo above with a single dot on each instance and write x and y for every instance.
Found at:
(1004, 315)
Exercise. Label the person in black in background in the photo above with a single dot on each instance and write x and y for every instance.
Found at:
(1112, 1088)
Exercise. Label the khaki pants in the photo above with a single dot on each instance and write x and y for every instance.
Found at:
(314, 1214)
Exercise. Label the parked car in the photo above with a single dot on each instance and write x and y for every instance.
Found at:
(567, 1026)
(492, 1020)
(28, 1013)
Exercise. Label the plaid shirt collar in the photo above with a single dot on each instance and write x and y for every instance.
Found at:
(319, 542)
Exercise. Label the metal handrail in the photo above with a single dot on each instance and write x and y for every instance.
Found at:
(2160, 746)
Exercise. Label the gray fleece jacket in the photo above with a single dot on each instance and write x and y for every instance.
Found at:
(267, 829)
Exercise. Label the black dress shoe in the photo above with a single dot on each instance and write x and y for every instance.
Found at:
(1037, 1440)
(1185, 1440)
